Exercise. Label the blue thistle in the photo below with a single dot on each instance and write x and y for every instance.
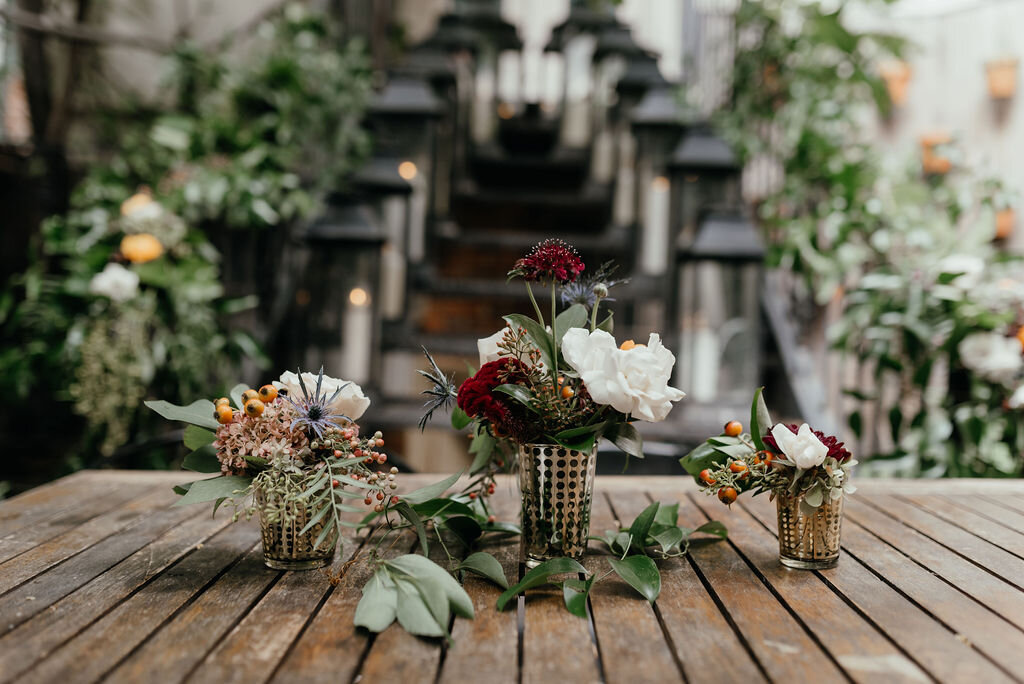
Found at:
(315, 413)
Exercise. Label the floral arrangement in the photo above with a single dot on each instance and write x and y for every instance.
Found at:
(773, 458)
(562, 379)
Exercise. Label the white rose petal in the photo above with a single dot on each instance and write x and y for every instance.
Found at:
(633, 381)
(488, 347)
(1016, 399)
(991, 355)
(803, 449)
(115, 281)
(350, 402)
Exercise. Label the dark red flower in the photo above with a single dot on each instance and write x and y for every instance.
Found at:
(835, 448)
(551, 260)
(477, 396)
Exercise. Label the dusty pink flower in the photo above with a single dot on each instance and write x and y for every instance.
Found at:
(259, 437)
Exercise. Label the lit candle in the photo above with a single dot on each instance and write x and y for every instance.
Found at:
(357, 336)
(654, 241)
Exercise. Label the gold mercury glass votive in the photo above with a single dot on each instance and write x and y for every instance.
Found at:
(285, 545)
(808, 541)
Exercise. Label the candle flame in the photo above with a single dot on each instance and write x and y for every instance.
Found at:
(358, 296)
(407, 170)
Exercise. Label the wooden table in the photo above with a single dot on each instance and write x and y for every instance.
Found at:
(101, 579)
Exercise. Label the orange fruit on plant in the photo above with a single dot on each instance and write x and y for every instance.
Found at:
(567, 392)
(223, 401)
(705, 476)
(141, 247)
(248, 395)
(727, 495)
(225, 414)
(738, 467)
(268, 393)
(254, 407)
(733, 428)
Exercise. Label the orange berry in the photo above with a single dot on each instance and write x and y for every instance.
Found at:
(727, 495)
(472, 495)
(249, 395)
(738, 466)
(254, 407)
(141, 247)
(705, 475)
(567, 392)
(223, 401)
(225, 414)
(733, 428)
(627, 345)
(268, 393)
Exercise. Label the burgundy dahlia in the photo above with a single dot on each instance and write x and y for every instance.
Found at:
(551, 260)
(836, 449)
(477, 396)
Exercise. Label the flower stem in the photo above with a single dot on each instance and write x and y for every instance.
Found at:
(593, 314)
(533, 300)
(554, 338)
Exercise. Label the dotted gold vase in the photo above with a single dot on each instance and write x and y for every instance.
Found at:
(557, 485)
(808, 537)
(285, 545)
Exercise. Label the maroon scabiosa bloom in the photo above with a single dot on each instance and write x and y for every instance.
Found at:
(836, 449)
(551, 260)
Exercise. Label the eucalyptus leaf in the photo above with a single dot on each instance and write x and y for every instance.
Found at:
(573, 317)
(641, 573)
(442, 507)
(197, 437)
(540, 338)
(199, 412)
(414, 519)
(485, 565)
(236, 394)
(431, 491)
(540, 575)
(230, 486)
(202, 460)
(413, 613)
(420, 566)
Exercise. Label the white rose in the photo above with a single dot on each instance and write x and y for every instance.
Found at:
(1016, 399)
(350, 402)
(488, 347)
(633, 381)
(991, 355)
(969, 266)
(115, 281)
(803, 449)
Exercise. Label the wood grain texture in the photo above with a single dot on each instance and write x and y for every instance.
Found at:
(124, 588)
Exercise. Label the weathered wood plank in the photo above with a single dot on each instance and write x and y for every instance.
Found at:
(973, 523)
(929, 642)
(781, 645)
(44, 632)
(175, 650)
(862, 652)
(114, 525)
(985, 587)
(43, 502)
(107, 641)
(991, 510)
(640, 651)
(557, 646)
(490, 642)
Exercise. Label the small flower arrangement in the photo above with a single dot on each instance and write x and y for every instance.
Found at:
(295, 446)
(776, 458)
(560, 379)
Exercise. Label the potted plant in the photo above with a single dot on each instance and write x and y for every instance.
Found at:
(806, 472)
(548, 388)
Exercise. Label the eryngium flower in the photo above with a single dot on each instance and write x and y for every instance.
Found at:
(314, 411)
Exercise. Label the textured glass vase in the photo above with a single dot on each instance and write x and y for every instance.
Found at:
(809, 537)
(556, 485)
(285, 545)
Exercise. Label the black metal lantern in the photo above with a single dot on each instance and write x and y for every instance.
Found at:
(401, 117)
(720, 278)
(386, 193)
(498, 52)
(340, 289)
(705, 175)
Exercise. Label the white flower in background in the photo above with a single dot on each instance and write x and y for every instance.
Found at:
(991, 355)
(487, 347)
(970, 268)
(1016, 399)
(632, 381)
(350, 402)
(803, 449)
(115, 281)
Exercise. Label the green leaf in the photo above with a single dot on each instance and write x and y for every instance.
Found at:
(379, 605)
(236, 394)
(539, 575)
(459, 418)
(420, 566)
(713, 527)
(572, 433)
(668, 514)
(626, 437)
(641, 573)
(608, 324)
(466, 528)
(485, 565)
(519, 393)
(584, 444)
(431, 491)
(670, 538)
(414, 519)
(642, 525)
(574, 593)
(760, 421)
(215, 488)
(196, 437)
(541, 339)
(413, 613)
(482, 447)
(500, 527)
(704, 456)
(442, 507)
(199, 412)
(573, 317)
(202, 460)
